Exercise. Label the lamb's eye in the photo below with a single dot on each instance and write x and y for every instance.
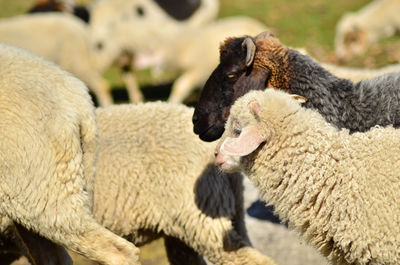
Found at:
(231, 76)
(237, 131)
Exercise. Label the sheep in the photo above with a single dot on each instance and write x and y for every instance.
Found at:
(130, 27)
(149, 184)
(355, 32)
(340, 191)
(135, 24)
(253, 63)
(48, 147)
(194, 54)
(49, 35)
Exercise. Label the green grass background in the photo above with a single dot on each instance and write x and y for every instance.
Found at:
(307, 23)
(302, 23)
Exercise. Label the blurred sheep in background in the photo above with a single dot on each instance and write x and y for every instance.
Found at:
(128, 27)
(356, 31)
(62, 39)
(194, 53)
(68, 6)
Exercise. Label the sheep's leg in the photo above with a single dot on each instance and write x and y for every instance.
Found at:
(236, 182)
(40, 250)
(179, 253)
(101, 89)
(9, 250)
(217, 240)
(130, 80)
(215, 230)
(99, 244)
(183, 85)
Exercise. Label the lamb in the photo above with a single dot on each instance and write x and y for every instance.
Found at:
(194, 54)
(48, 145)
(130, 27)
(49, 35)
(253, 63)
(340, 191)
(149, 184)
(135, 24)
(355, 32)
(173, 191)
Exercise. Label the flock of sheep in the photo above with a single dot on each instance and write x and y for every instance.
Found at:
(321, 146)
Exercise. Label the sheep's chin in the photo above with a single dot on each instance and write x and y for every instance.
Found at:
(231, 165)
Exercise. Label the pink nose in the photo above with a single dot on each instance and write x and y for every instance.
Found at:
(219, 160)
(216, 153)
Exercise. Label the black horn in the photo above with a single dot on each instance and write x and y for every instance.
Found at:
(251, 50)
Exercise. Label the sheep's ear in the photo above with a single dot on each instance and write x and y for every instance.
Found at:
(247, 142)
(298, 98)
(254, 108)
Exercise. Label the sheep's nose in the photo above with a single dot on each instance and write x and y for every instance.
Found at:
(216, 153)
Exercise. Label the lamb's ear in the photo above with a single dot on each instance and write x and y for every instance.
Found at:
(247, 142)
(298, 98)
(254, 108)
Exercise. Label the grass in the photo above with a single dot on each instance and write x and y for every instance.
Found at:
(301, 23)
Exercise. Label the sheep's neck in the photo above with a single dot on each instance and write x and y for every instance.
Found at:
(274, 59)
(330, 95)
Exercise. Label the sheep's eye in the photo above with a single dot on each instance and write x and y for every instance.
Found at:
(231, 75)
(237, 130)
(99, 45)
(140, 11)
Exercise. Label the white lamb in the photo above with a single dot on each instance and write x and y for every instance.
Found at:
(355, 32)
(62, 39)
(194, 53)
(136, 24)
(130, 26)
(155, 178)
(340, 191)
(48, 139)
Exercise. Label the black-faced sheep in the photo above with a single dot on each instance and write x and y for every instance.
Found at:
(339, 190)
(48, 144)
(256, 63)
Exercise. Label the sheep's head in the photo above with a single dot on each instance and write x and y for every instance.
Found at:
(246, 64)
(255, 119)
(350, 38)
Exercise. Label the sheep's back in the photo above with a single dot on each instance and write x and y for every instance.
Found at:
(152, 150)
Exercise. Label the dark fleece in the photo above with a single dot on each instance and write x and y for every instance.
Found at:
(356, 106)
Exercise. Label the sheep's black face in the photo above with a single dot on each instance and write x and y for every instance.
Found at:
(229, 81)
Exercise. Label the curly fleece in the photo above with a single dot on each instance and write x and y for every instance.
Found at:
(340, 191)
